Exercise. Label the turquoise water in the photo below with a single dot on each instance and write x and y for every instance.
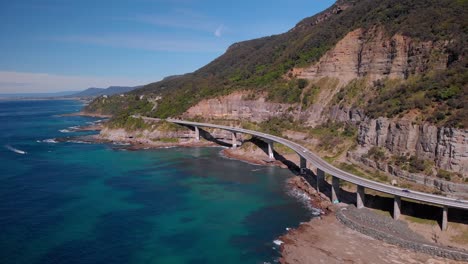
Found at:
(95, 203)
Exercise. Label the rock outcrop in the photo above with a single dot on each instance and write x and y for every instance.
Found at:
(447, 147)
(372, 54)
(236, 107)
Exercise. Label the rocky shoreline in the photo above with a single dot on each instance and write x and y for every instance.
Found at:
(81, 113)
(296, 243)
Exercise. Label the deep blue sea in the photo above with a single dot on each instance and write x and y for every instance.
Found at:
(71, 202)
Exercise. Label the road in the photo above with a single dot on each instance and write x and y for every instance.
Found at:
(330, 169)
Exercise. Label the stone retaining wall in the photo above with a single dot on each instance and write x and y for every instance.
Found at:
(433, 250)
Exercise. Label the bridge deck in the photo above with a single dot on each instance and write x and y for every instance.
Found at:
(332, 170)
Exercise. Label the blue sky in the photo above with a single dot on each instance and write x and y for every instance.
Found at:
(59, 45)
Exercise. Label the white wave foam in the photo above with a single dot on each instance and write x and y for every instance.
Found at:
(64, 130)
(78, 142)
(277, 242)
(305, 200)
(15, 150)
(121, 143)
(50, 140)
(95, 122)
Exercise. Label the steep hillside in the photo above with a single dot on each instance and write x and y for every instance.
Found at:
(111, 90)
(432, 33)
(381, 83)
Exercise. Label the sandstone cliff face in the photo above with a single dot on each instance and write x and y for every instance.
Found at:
(145, 136)
(370, 53)
(156, 137)
(362, 53)
(447, 147)
(235, 107)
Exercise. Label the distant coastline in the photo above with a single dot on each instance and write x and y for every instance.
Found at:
(39, 98)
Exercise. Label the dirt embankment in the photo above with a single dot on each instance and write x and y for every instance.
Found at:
(326, 240)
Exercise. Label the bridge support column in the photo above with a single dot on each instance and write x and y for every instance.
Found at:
(444, 218)
(396, 207)
(270, 150)
(335, 189)
(320, 177)
(197, 133)
(360, 196)
(302, 165)
(234, 140)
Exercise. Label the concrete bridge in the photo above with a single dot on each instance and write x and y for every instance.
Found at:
(323, 167)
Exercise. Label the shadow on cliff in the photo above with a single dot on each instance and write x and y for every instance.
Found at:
(208, 137)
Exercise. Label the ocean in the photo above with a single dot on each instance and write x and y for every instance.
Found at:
(75, 202)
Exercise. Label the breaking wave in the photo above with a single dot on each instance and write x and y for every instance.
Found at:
(78, 142)
(305, 200)
(15, 150)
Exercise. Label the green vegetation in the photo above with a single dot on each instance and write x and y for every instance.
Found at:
(441, 97)
(352, 94)
(283, 150)
(310, 95)
(167, 140)
(414, 164)
(443, 174)
(451, 176)
(289, 92)
(117, 104)
(128, 123)
(372, 175)
(376, 153)
(168, 127)
(420, 220)
(352, 169)
(332, 135)
(261, 65)
(276, 125)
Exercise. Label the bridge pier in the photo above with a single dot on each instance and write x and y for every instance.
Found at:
(197, 133)
(396, 207)
(320, 177)
(270, 150)
(302, 165)
(335, 189)
(444, 218)
(360, 197)
(234, 140)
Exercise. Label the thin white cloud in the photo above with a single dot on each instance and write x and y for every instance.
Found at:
(148, 42)
(219, 31)
(176, 22)
(180, 19)
(27, 82)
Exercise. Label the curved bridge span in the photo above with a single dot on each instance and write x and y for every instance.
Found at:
(337, 174)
